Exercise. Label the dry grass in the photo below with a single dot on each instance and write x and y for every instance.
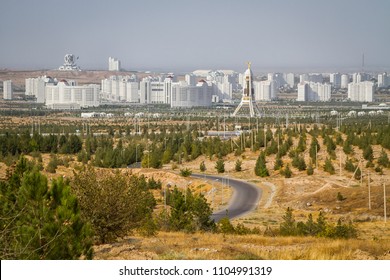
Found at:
(304, 194)
(217, 246)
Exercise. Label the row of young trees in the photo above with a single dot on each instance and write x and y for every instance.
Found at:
(320, 227)
(155, 149)
(330, 141)
(15, 144)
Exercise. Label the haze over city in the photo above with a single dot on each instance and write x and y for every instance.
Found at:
(188, 35)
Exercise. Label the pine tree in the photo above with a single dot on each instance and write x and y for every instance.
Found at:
(347, 148)
(368, 153)
(299, 162)
(328, 167)
(260, 167)
(321, 223)
(189, 212)
(311, 227)
(287, 172)
(288, 226)
(237, 166)
(220, 166)
(358, 174)
(202, 166)
(167, 155)
(383, 159)
(349, 165)
(301, 144)
(310, 170)
(278, 162)
(314, 147)
(39, 222)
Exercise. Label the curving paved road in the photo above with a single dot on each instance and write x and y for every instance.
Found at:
(245, 197)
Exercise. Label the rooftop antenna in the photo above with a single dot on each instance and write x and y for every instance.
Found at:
(363, 62)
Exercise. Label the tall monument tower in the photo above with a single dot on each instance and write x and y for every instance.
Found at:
(247, 100)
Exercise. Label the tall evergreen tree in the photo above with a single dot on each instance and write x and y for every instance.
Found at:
(260, 167)
(368, 153)
(41, 222)
(220, 166)
(288, 226)
(314, 148)
(383, 159)
(328, 167)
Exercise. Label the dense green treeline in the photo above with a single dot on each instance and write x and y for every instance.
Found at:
(177, 143)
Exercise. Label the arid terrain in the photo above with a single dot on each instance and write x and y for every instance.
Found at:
(302, 193)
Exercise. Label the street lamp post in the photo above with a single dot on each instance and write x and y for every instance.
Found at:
(178, 149)
(384, 200)
(216, 180)
(223, 182)
(136, 153)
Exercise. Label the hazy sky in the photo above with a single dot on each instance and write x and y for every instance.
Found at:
(173, 35)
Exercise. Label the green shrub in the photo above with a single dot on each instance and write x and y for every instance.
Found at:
(186, 172)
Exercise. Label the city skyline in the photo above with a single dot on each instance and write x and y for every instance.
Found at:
(189, 35)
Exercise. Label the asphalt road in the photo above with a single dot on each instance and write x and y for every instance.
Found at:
(245, 197)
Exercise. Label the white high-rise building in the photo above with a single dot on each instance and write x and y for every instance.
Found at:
(144, 91)
(314, 92)
(320, 92)
(115, 84)
(106, 89)
(278, 78)
(335, 79)
(156, 92)
(65, 96)
(290, 79)
(222, 83)
(190, 79)
(7, 90)
(132, 94)
(360, 77)
(312, 77)
(303, 91)
(231, 78)
(114, 64)
(224, 90)
(265, 90)
(361, 92)
(383, 80)
(241, 80)
(344, 80)
(187, 96)
(115, 88)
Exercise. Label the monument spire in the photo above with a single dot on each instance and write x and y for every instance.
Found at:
(247, 100)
